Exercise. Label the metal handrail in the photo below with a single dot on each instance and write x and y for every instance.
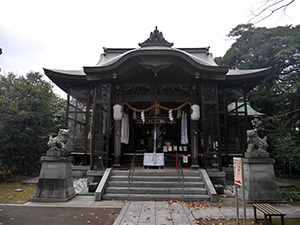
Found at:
(130, 174)
(180, 174)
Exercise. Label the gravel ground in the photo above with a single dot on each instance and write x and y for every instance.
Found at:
(80, 185)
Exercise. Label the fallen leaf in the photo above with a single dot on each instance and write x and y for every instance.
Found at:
(168, 219)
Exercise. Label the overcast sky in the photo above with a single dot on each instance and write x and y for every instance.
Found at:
(69, 34)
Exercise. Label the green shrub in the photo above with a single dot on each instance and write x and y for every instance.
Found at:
(290, 195)
(5, 173)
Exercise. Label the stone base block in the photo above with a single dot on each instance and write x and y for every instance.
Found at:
(93, 187)
(34, 199)
(94, 176)
(219, 189)
(79, 171)
(259, 181)
(55, 182)
(217, 177)
(257, 154)
(194, 167)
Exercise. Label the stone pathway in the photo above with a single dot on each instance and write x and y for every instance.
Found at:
(177, 213)
(151, 212)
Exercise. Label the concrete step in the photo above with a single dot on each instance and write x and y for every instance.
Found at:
(156, 172)
(154, 184)
(155, 178)
(151, 190)
(156, 197)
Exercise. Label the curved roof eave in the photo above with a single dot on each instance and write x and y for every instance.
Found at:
(157, 51)
(236, 74)
(63, 78)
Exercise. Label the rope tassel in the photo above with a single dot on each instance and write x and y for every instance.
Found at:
(134, 115)
(178, 114)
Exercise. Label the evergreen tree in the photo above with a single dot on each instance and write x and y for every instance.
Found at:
(279, 95)
(28, 108)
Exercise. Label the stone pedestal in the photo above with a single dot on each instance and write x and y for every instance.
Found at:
(55, 182)
(259, 180)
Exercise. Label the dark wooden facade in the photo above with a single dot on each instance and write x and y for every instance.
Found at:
(157, 74)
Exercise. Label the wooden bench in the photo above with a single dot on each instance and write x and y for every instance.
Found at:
(268, 210)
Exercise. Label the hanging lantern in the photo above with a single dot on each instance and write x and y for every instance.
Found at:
(195, 114)
(117, 112)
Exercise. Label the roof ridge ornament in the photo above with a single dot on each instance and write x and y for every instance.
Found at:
(156, 39)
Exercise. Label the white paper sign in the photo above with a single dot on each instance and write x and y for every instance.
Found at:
(165, 148)
(185, 159)
(237, 166)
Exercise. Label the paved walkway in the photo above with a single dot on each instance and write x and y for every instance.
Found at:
(173, 213)
(132, 213)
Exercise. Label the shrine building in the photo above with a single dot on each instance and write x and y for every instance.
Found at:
(157, 101)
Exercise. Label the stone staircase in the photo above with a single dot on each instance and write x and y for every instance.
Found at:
(155, 184)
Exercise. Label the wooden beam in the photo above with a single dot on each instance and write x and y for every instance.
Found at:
(161, 98)
(127, 85)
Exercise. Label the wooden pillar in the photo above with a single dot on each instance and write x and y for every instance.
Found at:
(92, 130)
(194, 145)
(225, 127)
(237, 125)
(87, 128)
(246, 110)
(117, 145)
(218, 149)
(68, 109)
(246, 123)
(117, 142)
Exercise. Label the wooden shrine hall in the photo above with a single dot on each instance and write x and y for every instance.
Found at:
(154, 102)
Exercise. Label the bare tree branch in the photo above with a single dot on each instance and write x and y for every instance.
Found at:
(268, 8)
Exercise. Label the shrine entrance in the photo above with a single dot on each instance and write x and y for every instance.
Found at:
(155, 128)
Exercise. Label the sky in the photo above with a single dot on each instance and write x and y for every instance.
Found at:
(70, 34)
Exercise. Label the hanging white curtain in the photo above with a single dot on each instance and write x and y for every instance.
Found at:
(184, 130)
(125, 129)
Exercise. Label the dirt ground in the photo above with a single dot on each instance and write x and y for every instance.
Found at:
(10, 195)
